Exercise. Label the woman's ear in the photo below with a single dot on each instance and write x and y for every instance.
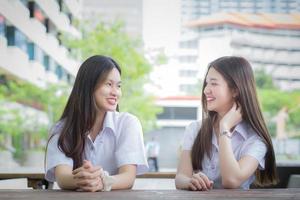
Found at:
(235, 93)
(235, 96)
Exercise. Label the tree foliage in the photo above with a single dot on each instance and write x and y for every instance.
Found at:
(273, 100)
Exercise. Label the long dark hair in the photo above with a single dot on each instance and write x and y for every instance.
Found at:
(238, 74)
(79, 114)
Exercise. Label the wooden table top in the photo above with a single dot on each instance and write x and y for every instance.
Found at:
(41, 175)
(266, 194)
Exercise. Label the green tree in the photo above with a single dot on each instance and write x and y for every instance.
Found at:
(50, 100)
(10, 120)
(263, 80)
(273, 100)
(111, 40)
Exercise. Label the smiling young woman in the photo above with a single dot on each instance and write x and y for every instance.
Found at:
(231, 146)
(93, 147)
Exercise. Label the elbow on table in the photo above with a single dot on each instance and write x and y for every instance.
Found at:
(130, 185)
(231, 183)
(65, 187)
(177, 185)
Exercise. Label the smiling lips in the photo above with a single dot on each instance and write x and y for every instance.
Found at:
(112, 101)
(210, 99)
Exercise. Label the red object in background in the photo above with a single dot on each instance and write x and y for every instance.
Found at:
(39, 15)
(1, 19)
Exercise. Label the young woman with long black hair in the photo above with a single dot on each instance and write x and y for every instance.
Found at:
(231, 146)
(93, 147)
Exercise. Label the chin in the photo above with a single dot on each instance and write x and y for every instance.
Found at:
(210, 108)
(111, 109)
(114, 108)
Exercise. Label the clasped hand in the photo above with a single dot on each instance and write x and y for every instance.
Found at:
(87, 177)
(200, 181)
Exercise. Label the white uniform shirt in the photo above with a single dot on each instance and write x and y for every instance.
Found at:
(119, 143)
(244, 142)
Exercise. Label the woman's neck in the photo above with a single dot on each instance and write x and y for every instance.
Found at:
(98, 125)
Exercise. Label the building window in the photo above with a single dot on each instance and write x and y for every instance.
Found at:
(188, 73)
(35, 53)
(16, 38)
(69, 78)
(52, 65)
(178, 113)
(59, 72)
(46, 62)
(30, 50)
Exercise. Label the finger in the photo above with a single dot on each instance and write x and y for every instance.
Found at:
(82, 171)
(87, 164)
(95, 175)
(205, 179)
(202, 183)
(98, 184)
(91, 187)
(192, 187)
(95, 168)
(83, 175)
(75, 171)
(82, 183)
(196, 183)
(211, 185)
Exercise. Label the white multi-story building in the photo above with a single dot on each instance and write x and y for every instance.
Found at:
(30, 46)
(31, 51)
(188, 53)
(195, 9)
(268, 41)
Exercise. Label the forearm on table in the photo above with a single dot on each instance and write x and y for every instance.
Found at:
(65, 178)
(124, 180)
(182, 181)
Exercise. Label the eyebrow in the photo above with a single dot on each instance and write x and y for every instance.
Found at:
(114, 81)
(212, 79)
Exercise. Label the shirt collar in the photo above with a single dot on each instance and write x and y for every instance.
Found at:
(214, 140)
(241, 129)
(108, 122)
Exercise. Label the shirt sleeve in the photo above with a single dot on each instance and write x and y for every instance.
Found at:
(130, 145)
(256, 148)
(55, 157)
(190, 134)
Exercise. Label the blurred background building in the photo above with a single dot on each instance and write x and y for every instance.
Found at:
(128, 11)
(270, 42)
(31, 49)
(266, 20)
(266, 32)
